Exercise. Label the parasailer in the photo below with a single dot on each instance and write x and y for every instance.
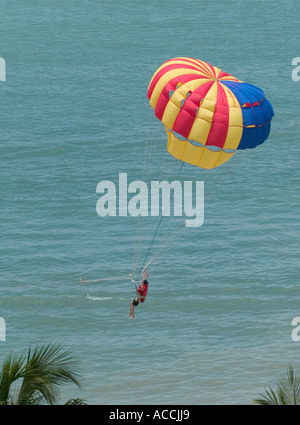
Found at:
(141, 295)
(208, 114)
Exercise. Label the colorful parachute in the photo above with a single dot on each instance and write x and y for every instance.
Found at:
(208, 114)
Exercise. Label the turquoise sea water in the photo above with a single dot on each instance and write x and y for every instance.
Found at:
(216, 326)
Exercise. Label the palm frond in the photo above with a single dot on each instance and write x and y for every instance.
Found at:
(75, 402)
(12, 369)
(47, 368)
(287, 391)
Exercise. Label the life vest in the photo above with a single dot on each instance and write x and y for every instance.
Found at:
(143, 292)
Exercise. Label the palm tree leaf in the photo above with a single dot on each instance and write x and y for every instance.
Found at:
(12, 370)
(47, 368)
(75, 402)
(287, 392)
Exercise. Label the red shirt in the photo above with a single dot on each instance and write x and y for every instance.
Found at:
(143, 292)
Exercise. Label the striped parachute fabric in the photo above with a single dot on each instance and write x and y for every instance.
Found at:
(208, 114)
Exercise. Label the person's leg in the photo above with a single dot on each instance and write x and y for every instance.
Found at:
(132, 305)
(131, 312)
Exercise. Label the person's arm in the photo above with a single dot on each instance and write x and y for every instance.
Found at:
(144, 275)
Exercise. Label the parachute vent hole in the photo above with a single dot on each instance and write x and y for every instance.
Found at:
(195, 143)
(179, 136)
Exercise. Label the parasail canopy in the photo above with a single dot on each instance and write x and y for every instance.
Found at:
(207, 113)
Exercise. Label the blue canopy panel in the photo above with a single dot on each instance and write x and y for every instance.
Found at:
(257, 113)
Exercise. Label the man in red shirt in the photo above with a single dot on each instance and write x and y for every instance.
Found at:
(141, 295)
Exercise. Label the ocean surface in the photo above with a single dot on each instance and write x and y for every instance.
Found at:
(216, 327)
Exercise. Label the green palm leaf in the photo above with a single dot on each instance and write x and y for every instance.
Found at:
(41, 373)
(286, 393)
